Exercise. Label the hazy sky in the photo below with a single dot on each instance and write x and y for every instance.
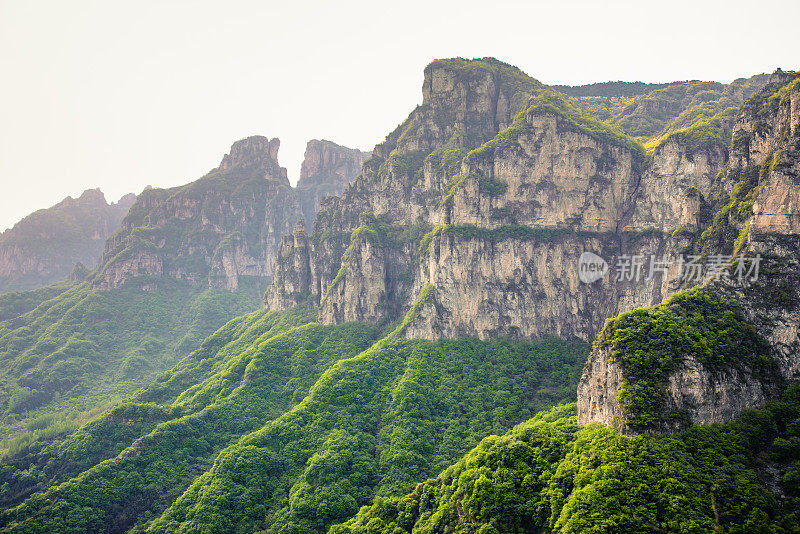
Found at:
(119, 95)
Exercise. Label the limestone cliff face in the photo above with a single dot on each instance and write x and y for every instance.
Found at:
(45, 246)
(551, 177)
(464, 104)
(293, 260)
(326, 170)
(764, 168)
(489, 207)
(225, 226)
(482, 169)
(673, 189)
(705, 395)
(773, 134)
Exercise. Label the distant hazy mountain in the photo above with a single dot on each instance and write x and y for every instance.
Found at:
(45, 246)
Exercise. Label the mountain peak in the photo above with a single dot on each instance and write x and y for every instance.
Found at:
(93, 195)
(252, 151)
(326, 170)
(443, 76)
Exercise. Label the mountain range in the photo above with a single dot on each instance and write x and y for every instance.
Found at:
(530, 308)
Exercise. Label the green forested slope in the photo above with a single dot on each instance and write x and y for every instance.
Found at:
(372, 425)
(39, 463)
(325, 426)
(258, 384)
(68, 349)
(549, 475)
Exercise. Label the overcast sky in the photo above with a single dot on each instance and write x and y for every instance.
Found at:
(120, 95)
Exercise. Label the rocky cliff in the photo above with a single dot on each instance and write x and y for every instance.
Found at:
(45, 246)
(477, 212)
(505, 185)
(224, 228)
(215, 230)
(465, 103)
(757, 220)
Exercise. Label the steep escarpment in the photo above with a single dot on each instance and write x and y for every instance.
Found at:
(45, 246)
(755, 223)
(507, 227)
(465, 103)
(504, 205)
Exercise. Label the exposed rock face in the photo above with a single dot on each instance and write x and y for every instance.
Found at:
(509, 193)
(294, 254)
(225, 226)
(541, 173)
(672, 190)
(766, 145)
(773, 303)
(464, 104)
(45, 246)
(704, 395)
(600, 383)
(550, 178)
(326, 170)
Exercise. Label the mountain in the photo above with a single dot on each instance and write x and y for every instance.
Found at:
(226, 226)
(504, 238)
(194, 257)
(646, 110)
(733, 344)
(473, 336)
(45, 246)
(489, 192)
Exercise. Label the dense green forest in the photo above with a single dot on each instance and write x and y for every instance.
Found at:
(68, 349)
(291, 427)
(548, 474)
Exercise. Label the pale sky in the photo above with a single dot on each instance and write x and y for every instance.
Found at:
(120, 95)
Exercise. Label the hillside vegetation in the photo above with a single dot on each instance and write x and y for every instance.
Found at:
(68, 349)
(549, 475)
(293, 430)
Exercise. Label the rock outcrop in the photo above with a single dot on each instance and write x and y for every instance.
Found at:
(216, 230)
(45, 246)
(697, 393)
